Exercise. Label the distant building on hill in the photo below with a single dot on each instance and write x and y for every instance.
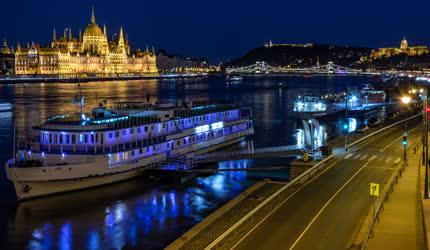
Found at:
(403, 49)
(304, 45)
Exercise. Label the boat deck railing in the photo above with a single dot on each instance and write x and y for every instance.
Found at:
(91, 149)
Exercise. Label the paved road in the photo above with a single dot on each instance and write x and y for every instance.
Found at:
(327, 213)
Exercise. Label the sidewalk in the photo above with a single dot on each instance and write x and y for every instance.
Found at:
(401, 224)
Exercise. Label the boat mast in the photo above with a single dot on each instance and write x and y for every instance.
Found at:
(80, 99)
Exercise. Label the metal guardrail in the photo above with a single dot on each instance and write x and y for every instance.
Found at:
(247, 152)
(388, 189)
(298, 180)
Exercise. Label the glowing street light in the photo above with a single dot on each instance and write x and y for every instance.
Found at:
(406, 99)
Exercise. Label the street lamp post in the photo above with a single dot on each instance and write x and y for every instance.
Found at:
(406, 100)
(425, 142)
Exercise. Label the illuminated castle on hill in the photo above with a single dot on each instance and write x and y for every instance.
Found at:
(89, 54)
(403, 49)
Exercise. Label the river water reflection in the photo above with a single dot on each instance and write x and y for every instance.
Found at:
(142, 213)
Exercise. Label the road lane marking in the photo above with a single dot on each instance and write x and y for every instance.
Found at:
(391, 168)
(357, 147)
(397, 160)
(388, 159)
(283, 202)
(346, 157)
(329, 201)
(355, 158)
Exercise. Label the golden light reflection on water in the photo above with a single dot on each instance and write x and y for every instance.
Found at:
(35, 102)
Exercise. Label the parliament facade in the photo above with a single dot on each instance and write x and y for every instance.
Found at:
(90, 54)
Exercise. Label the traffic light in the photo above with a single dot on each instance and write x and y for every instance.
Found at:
(345, 127)
(405, 141)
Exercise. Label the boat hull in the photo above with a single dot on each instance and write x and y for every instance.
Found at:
(43, 188)
(34, 189)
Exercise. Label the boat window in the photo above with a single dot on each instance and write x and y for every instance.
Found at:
(110, 135)
(146, 129)
(139, 130)
(85, 138)
(178, 142)
(116, 133)
(124, 132)
(140, 150)
(164, 125)
(55, 138)
(68, 139)
(60, 139)
(73, 139)
(92, 138)
(132, 131)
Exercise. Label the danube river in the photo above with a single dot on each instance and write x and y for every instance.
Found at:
(140, 213)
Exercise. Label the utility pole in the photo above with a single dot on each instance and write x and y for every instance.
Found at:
(425, 141)
(406, 100)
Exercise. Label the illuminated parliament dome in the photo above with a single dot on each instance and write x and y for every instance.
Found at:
(94, 40)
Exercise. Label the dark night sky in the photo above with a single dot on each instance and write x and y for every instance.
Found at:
(223, 29)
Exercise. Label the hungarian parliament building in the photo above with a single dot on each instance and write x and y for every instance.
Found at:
(91, 53)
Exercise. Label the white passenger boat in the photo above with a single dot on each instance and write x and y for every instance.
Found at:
(310, 104)
(75, 151)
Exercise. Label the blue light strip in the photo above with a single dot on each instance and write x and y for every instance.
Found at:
(204, 107)
(110, 120)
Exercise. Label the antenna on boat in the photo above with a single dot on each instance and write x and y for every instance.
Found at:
(80, 98)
